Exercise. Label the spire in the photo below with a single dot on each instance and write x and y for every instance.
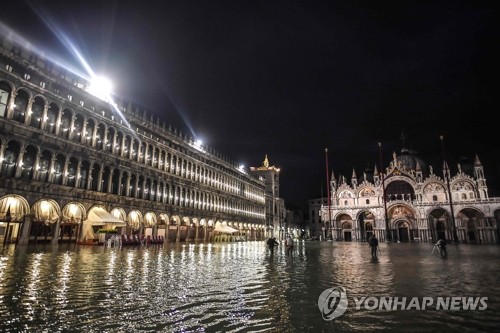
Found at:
(266, 162)
(418, 172)
(375, 170)
(477, 162)
(354, 178)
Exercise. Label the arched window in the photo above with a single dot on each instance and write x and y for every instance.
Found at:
(4, 98)
(37, 112)
(20, 106)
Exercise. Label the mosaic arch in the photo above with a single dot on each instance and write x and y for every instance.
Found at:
(402, 222)
(366, 222)
(470, 221)
(439, 220)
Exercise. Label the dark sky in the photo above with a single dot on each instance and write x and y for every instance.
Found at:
(291, 78)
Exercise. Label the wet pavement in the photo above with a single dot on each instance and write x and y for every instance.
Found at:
(241, 287)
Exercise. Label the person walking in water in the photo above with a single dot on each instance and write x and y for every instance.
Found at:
(441, 245)
(373, 242)
(289, 244)
(271, 243)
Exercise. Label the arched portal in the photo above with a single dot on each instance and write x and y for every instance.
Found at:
(403, 230)
(347, 231)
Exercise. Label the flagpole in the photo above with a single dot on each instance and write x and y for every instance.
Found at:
(387, 230)
(328, 194)
(447, 175)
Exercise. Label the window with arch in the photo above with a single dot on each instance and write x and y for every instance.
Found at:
(434, 198)
(4, 98)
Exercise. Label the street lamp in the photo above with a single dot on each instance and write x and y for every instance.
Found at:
(387, 231)
(447, 177)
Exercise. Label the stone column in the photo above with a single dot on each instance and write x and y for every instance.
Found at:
(19, 162)
(56, 229)
(25, 230)
(10, 108)
(43, 122)
(27, 118)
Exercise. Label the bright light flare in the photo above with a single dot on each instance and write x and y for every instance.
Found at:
(198, 144)
(101, 88)
(241, 168)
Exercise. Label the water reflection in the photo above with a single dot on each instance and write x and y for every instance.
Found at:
(238, 287)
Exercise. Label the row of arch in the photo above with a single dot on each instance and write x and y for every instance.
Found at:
(14, 209)
(36, 111)
(34, 163)
(405, 225)
(433, 191)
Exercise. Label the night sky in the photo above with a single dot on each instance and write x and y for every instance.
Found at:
(291, 78)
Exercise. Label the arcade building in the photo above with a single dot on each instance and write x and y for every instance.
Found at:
(74, 164)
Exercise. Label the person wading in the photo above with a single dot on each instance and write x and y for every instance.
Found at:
(289, 244)
(373, 242)
(271, 243)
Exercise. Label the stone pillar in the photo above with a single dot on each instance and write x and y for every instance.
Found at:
(99, 180)
(65, 173)
(71, 133)
(56, 229)
(43, 122)
(25, 230)
(19, 163)
(51, 169)
(36, 166)
(10, 108)
(28, 113)
(178, 236)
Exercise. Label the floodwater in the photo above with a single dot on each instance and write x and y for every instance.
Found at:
(241, 287)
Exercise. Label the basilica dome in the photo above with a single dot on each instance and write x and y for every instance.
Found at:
(410, 159)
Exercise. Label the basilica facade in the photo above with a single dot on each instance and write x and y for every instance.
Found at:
(409, 202)
(73, 164)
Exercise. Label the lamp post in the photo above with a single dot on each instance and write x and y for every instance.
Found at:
(447, 177)
(328, 195)
(387, 231)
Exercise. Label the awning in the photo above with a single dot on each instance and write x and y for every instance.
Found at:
(225, 229)
(99, 216)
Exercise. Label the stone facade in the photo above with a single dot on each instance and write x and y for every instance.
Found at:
(65, 153)
(275, 206)
(418, 206)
